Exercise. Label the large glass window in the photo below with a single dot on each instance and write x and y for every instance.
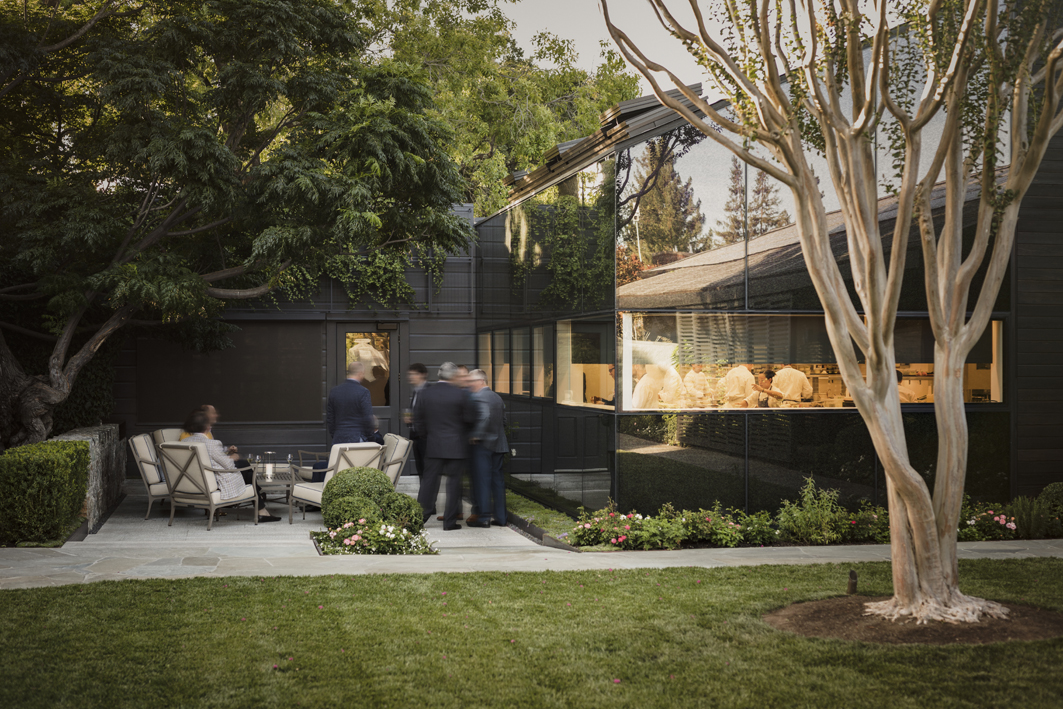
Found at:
(542, 361)
(521, 366)
(501, 361)
(585, 373)
(699, 361)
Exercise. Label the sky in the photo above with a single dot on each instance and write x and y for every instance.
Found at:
(582, 21)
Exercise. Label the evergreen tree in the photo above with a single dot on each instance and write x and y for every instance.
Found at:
(764, 214)
(731, 229)
(670, 217)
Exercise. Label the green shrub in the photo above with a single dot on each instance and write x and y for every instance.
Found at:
(349, 509)
(981, 521)
(1031, 516)
(403, 511)
(714, 527)
(870, 523)
(367, 482)
(816, 518)
(42, 489)
(756, 528)
(1053, 497)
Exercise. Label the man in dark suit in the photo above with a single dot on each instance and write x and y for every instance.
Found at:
(444, 415)
(349, 413)
(418, 377)
(489, 449)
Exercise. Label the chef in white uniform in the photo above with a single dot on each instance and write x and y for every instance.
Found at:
(793, 384)
(673, 391)
(696, 385)
(764, 394)
(736, 385)
(907, 394)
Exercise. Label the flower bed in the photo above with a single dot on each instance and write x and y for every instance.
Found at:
(364, 537)
(815, 518)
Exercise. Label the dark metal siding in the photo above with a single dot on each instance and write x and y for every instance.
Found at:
(1039, 329)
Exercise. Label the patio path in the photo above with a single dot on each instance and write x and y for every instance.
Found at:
(129, 547)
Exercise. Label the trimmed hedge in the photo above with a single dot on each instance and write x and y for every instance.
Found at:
(367, 493)
(42, 489)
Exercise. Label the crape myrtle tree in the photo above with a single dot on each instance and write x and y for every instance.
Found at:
(796, 73)
(180, 155)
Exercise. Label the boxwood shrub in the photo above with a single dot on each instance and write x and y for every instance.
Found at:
(366, 482)
(42, 489)
(349, 509)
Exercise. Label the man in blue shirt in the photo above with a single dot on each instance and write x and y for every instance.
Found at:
(349, 413)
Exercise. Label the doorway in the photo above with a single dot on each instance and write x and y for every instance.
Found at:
(375, 345)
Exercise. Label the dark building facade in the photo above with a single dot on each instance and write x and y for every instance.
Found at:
(618, 386)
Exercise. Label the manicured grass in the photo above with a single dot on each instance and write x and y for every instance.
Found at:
(551, 521)
(677, 637)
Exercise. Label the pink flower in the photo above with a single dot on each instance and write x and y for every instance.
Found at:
(627, 526)
(587, 526)
(1010, 525)
(613, 540)
(274, 667)
(990, 511)
(616, 681)
(361, 521)
(321, 608)
(623, 538)
(612, 514)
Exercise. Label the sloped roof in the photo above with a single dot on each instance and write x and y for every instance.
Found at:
(628, 120)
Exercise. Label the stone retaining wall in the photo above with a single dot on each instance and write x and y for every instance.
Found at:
(107, 458)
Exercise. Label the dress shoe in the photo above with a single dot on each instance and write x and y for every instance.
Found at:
(452, 527)
(460, 516)
(271, 518)
(474, 520)
(496, 523)
(482, 525)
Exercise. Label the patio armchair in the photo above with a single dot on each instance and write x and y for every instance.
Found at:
(166, 435)
(305, 469)
(396, 453)
(150, 471)
(192, 482)
(341, 457)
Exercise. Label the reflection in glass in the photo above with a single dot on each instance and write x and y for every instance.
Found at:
(521, 367)
(688, 461)
(688, 361)
(373, 350)
(501, 361)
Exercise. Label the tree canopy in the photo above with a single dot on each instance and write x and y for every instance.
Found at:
(184, 154)
(505, 106)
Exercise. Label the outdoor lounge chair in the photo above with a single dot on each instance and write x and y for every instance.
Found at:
(396, 452)
(192, 481)
(150, 470)
(342, 456)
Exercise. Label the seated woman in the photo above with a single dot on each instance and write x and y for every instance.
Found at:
(230, 484)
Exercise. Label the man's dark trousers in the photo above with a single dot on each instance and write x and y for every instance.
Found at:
(435, 468)
(490, 482)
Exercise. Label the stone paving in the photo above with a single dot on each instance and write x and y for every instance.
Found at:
(129, 547)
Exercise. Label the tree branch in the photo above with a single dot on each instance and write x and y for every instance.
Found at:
(28, 333)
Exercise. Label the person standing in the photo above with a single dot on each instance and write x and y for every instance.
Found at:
(349, 412)
(793, 384)
(737, 385)
(764, 394)
(444, 415)
(696, 384)
(489, 447)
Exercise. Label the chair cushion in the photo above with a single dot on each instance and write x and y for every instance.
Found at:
(308, 492)
(158, 490)
(215, 496)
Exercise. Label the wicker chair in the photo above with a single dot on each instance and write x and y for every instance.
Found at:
(192, 481)
(342, 456)
(150, 471)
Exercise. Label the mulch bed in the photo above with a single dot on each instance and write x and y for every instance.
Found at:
(843, 618)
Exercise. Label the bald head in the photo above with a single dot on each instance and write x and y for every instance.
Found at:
(355, 370)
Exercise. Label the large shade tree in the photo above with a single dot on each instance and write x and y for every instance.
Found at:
(175, 156)
(802, 74)
(507, 106)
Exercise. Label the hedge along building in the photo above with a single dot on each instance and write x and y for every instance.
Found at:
(613, 377)
(271, 387)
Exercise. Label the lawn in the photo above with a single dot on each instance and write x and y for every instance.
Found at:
(646, 638)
